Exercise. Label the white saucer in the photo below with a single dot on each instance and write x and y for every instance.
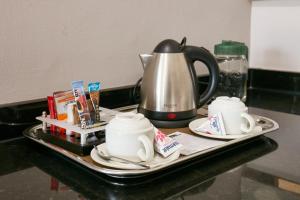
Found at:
(157, 161)
(196, 123)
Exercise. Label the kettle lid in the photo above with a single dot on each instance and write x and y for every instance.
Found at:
(168, 46)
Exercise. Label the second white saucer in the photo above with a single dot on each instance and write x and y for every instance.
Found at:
(196, 123)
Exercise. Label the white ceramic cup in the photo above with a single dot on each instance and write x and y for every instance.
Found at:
(235, 115)
(130, 136)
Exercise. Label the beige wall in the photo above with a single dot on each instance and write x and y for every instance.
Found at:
(45, 44)
(275, 35)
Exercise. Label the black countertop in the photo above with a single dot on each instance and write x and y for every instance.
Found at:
(264, 168)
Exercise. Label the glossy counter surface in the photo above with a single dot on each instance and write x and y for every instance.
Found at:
(261, 169)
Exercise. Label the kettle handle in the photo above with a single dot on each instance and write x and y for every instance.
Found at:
(201, 54)
(134, 93)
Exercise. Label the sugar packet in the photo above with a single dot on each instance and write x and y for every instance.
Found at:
(165, 145)
(214, 125)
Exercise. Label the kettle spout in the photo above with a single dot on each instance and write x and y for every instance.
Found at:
(145, 58)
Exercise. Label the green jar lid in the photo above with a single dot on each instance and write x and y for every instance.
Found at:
(228, 47)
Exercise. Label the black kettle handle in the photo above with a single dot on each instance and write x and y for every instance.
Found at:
(201, 54)
(134, 93)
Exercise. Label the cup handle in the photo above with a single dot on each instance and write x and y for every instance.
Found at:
(146, 153)
(251, 122)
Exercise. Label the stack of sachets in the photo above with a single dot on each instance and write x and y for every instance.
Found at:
(74, 107)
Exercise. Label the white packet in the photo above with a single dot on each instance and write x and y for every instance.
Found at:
(214, 125)
(165, 145)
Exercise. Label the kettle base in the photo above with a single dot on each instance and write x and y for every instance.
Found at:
(172, 124)
(169, 119)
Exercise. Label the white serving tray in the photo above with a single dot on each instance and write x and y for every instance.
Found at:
(132, 173)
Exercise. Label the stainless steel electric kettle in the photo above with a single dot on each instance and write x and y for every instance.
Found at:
(169, 87)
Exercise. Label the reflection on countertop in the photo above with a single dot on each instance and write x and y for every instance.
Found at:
(34, 172)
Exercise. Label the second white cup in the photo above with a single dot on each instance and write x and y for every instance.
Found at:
(235, 115)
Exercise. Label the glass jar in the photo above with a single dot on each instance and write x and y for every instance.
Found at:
(232, 58)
